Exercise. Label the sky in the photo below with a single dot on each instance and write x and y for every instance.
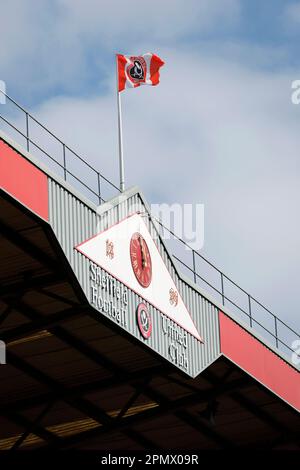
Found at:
(219, 130)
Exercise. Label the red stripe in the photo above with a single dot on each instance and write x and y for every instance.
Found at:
(121, 61)
(23, 180)
(259, 361)
(155, 65)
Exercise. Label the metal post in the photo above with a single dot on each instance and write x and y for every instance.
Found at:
(194, 268)
(27, 131)
(99, 187)
(276, 332)
(121, 158)
(222, 288)
(64, 159)
(250, 312)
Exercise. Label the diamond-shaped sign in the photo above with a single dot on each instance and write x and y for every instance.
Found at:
(127, 251)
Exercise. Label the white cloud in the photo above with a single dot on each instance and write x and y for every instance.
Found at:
(170, 19)
(59, 44)
(214, 132)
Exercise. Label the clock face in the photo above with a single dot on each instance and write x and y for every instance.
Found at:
(140, 259)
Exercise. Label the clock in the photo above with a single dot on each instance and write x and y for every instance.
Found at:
(140, 259)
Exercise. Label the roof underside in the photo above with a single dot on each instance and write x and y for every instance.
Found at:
(73, 379)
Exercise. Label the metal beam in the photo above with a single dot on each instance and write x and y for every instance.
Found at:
(255, 409)
(33, 427)
(65, 335)
(194, 421)
(42, 323)
(97, 414)
(62, 334)
(54, 296)
(38, 430)
(27, 246)
(82, 389)
(132, 400)
(206, 375)
(30, 283)
(94, 355)
(203, 428)
(88, 408)
(151, 414)
(87, 350)
(261, 414)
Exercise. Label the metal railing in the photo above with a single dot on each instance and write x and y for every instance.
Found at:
(274, 331)
(66, 159)
(277, 330)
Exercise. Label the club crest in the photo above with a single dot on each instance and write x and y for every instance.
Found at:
(137, 70)
(144, 320)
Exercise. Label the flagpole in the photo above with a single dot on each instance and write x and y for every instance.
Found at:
(120, 134)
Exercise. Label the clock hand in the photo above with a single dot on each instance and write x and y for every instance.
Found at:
(144, 260)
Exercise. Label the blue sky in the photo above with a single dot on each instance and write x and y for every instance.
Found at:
(47, 36)
(220, 129)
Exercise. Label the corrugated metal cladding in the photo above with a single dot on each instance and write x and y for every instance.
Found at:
(74, 222)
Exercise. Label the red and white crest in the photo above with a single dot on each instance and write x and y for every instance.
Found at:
(137, 69)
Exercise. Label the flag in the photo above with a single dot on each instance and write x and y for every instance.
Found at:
(134, 71)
